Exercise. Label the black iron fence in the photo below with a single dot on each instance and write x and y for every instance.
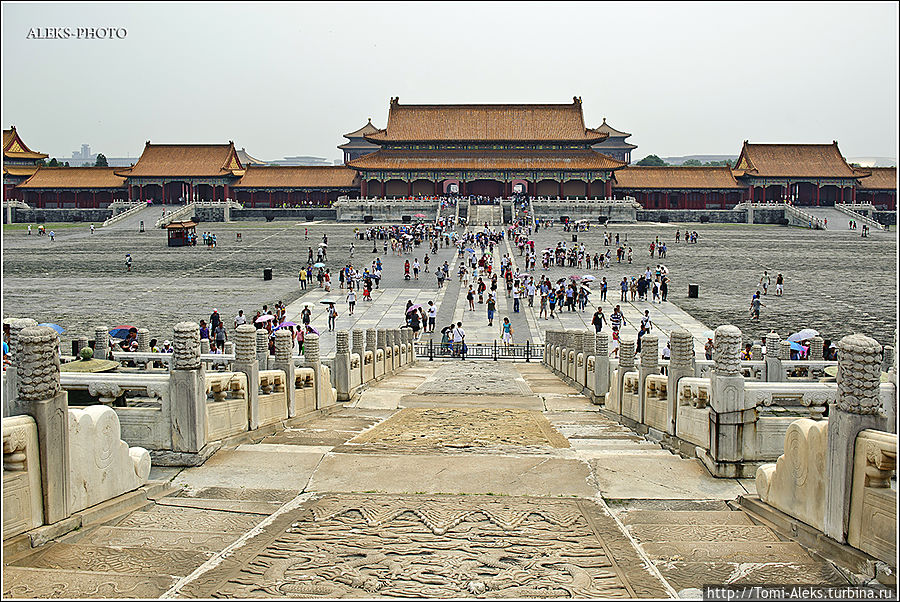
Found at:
(526, 351)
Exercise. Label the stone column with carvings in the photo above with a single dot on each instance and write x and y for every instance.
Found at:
(143, 339)
(728, 418)
(395, 343)
(342, 365)
(312, 360)
(284, 361)
(601, 367)
(587, 351)
(38, 394)
(580, 363)
(359, 348)
(187, 390)
(382, 344)
(816, 349)
(16, 325)
(756, 353)
(371, 341)
(262, 348)
(649, 365)
(858, 408)
(81, 343)
(681, 365)
(626, 364)
(101, 343)
(774, 369)
(246, 361)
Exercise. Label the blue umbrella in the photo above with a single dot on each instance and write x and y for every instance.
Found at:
(55, 327)
(319, 265)
(797, 347)
(120, 332)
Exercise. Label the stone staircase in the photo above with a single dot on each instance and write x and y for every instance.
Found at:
(693, 542)
(141, 554)
(485, 214)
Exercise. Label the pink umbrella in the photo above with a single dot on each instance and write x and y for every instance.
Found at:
(264, 318)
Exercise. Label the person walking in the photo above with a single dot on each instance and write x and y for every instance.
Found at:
(459, 340)
(470, 297)
(624, 287)
(506, 332)
(599, 320)
(332, 316)
(491, 308)
(432, 317)
(351, 301)
(779, 285)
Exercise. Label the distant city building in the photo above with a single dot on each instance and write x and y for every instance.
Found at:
(358, 146)
(85, 156)
(614, 146)
(301, 160)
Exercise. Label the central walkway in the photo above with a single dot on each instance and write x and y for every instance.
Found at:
(388, 306)
(450, 479)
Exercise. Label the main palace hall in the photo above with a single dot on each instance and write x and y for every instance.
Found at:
(488, 150)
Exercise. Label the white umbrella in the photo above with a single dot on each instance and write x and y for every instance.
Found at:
(322, 244)
(588, 278)
(806, 333)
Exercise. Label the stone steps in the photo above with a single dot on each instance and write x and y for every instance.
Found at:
(141, 554)
(696, 546)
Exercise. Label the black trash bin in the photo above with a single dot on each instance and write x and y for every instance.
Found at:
(693, 291)
(368, 219)
(267, 273)
(574, 238)
(406, 218)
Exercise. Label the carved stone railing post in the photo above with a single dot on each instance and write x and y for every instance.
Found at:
(187, 390)
(580, 364)
(312, 360)
(284, 361)
(411, 345)
(774, 369)
(587, 351)
(371, 340)
(246, 361)
(728, 417)
(858, 407)
(359, 348)
(784, 354)
(143, 340)
(101, 343)
(81, 343)
(382, 344)
(395, 342)
(16, 325)
(626, 364)
(681, 365)
(816, 349)
(649, 365)
(756, 353)
(601, 367)
(262, 348)
(342, 365)
(39, 396)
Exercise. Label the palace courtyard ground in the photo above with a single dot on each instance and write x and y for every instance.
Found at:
(835, 281)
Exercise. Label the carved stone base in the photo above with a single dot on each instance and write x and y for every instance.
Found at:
(173, 458)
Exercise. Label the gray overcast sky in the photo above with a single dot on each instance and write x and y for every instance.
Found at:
(290, 79)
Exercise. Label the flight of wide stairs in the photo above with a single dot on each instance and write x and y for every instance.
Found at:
(485, 214)
(696, 542)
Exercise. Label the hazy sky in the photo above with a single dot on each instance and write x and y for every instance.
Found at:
(290, 79)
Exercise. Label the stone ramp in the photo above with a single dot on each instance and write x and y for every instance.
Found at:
(837, 221)
(148, 215)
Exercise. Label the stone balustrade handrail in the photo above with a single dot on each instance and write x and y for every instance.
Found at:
(124, 214)
(166, 358)
(807, 217)
(170, 217)
(844, 208)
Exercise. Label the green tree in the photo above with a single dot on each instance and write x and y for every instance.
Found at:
(652, 161)
(692, 163)
(53, 163)
(101, 161)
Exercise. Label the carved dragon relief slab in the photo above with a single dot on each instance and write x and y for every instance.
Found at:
(435, 547)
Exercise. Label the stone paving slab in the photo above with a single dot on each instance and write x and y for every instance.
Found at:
(685, 517)
(528, 402)
(241, 468)
(21, 582)
(683, 575)
(169, 539)
(188, 519)
(103, 559)
(425, 546)
(499, 475)
(732, 551)
(718, 533)
(640, 476)
(463, 427)
(262, 508)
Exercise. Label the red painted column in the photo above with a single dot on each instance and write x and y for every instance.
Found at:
(142, 192)
(666, 200)
(853, 194)
(608, 189)
(94, 199)
(560, 195)
(437, 188)
(364, 188)
(818, 193)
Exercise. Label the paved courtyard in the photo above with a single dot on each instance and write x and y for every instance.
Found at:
(430, 484)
